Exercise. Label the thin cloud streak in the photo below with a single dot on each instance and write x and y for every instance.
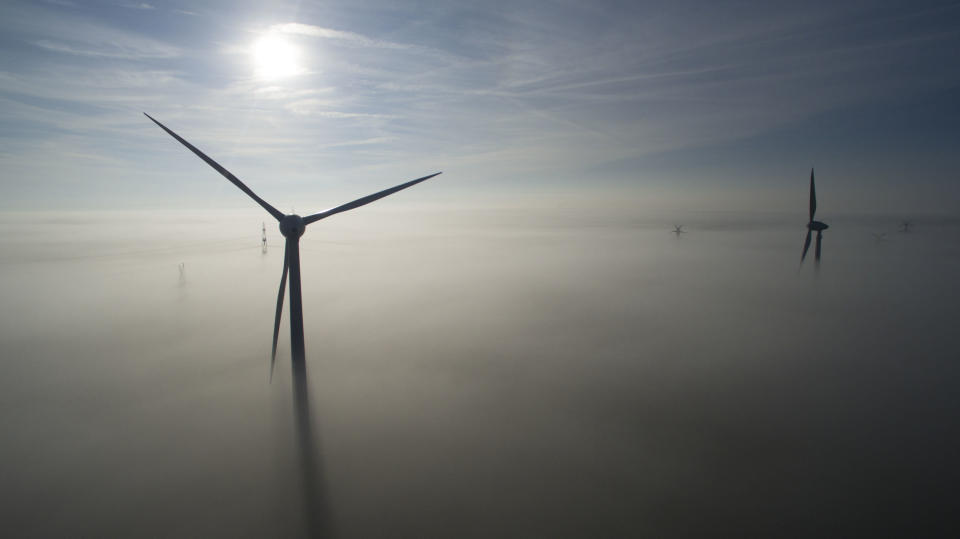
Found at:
(329, 33)
(107, 50)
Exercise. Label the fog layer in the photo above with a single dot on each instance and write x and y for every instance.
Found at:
(480, 374)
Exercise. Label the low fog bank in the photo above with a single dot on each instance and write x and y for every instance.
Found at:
(481, 373)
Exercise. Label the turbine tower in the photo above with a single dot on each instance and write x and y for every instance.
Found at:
(813, 225)
(292, 227)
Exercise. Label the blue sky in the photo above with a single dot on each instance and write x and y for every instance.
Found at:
(716, 105)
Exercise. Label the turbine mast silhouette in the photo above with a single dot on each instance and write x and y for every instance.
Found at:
(813, 225)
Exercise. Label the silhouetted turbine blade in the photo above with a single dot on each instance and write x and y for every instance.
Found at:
(276, 320)
(226, 173)
(806, 245)
(365, 200)
(813, 196)
(816, 252)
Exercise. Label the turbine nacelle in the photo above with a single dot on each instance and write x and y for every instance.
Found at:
(817, 225)
(292, 226)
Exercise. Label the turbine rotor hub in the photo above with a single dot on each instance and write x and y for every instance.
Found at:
(817, 225)
(291, 226)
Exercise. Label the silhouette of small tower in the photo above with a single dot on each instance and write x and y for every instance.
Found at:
(263, 239)
(183, 275)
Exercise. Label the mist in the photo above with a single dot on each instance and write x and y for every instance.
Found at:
(476, 373)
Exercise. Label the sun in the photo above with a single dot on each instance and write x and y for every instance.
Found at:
(275, 57)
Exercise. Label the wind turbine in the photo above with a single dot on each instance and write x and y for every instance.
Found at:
(263, 239)
(905, 226)
(813, 225)
(292, 227)
(678, 229)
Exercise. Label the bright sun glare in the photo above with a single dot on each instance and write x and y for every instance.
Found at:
(275, 57)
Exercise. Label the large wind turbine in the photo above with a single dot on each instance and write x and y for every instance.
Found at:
(813, 225)
(292, 227)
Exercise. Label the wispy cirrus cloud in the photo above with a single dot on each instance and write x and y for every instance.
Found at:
(350, 38)
(135, 49)
(72, 34)
(142, 6)
(325, 109)
(62, 3)
(550, 91)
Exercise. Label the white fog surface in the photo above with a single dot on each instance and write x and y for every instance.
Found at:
(480, 373)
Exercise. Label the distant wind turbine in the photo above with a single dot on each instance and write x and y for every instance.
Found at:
(292, 227)
(905, 226)
(263, 239)
(678, 229)
(813, 225)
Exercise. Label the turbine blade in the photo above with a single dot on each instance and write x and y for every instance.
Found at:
(806, 245)
(365, 200)
(224, 172)
(816, 253)
(813, 197)
(276, 320)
